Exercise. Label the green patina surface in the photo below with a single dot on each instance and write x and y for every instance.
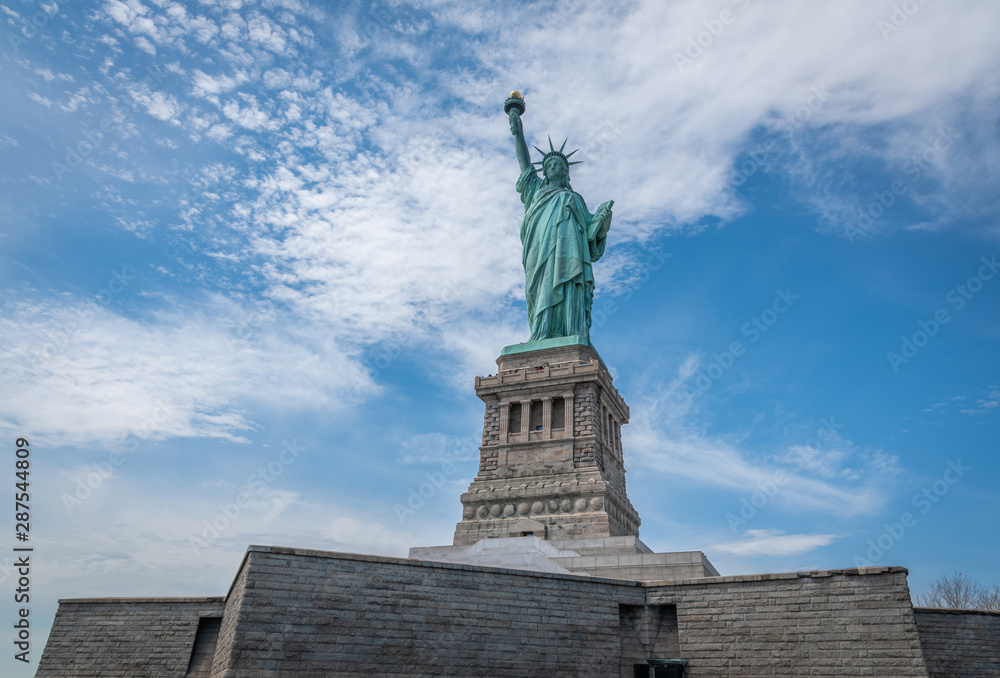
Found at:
(561, 239)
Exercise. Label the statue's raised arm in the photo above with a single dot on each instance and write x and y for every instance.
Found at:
(517, 129)
(560, 240)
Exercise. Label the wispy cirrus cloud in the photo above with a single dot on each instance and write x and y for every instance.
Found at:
(374, 211)
(86, 376)
(773, 543)
(828, 476)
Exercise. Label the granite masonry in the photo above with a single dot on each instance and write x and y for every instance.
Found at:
(550, 493)
(546, 576)
(551, 450)
(294, 612)
(960, 642)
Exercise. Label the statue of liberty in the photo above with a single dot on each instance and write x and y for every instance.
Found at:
(560, 239)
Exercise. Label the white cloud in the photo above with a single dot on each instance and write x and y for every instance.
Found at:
(367, 237)
(276, 78)
(983, 403)
(204, 30)
(761, 543)
(380, 249)
(377, 213)
(267, 34)
(201, 27)
(435, 448)
(689, 123)
(249, 116)
(160, 105)
(46, 73)
(987, 405)
(186, 536)
(207, 86)
(77, 374)
(124, 12)
(79, 97)
(219, 132)
(145, 45)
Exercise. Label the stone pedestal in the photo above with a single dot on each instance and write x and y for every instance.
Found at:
(551, 459)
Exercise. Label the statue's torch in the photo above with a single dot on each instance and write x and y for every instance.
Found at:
(514, 102)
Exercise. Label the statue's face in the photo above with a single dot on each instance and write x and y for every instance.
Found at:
(555, 169)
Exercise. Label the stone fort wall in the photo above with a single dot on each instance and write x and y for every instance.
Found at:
(856, 622)
(959, 642)
(295, 612)
(124, 636)
(315, 613)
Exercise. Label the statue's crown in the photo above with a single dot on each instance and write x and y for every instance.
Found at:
(558, 154)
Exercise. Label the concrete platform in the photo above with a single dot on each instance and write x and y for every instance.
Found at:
(623, 557)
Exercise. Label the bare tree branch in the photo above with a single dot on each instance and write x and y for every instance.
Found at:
(961, 592)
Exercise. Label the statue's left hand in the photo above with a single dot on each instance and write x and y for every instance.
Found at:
(604, 211)
(603, 218)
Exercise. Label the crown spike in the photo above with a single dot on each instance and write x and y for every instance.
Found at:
(553, 153)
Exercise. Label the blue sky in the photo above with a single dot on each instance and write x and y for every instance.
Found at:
(263, 249)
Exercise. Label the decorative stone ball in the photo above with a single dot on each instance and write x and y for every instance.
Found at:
(496, 510)
(581, 504)
(469, 512)
(484, 511)
(537, 507)
(523, 508)
(553, 506)
(566, 505)
(509, 510)
(596, 503)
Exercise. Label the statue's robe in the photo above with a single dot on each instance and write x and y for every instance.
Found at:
(560, 240)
